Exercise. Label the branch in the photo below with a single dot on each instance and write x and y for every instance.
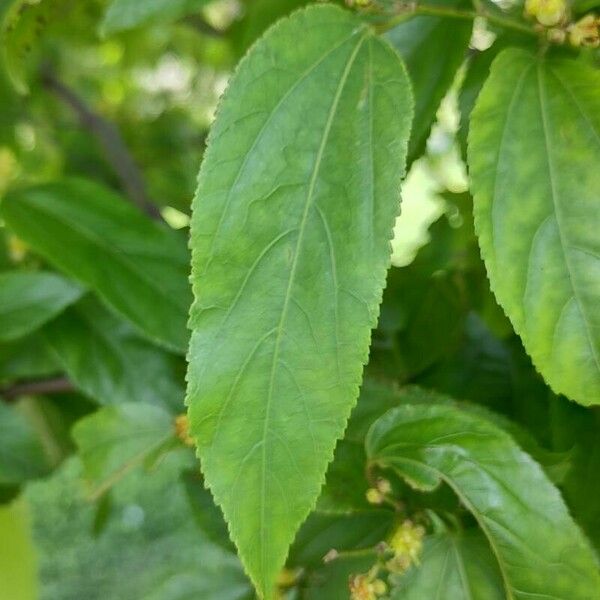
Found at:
(116, 152)
(31, 388)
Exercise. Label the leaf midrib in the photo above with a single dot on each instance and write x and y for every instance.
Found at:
(559, 217)
(291, 280)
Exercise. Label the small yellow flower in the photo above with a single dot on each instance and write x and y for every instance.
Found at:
(384, 486)
(374, 496)
(407, 544)
(182, 430)
(17, 248)
(364, 587)
(586, 32)
(547, 12)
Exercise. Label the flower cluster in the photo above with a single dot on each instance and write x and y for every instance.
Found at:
(182, 430)
(554, 15)
(406, 544)
(366, 587)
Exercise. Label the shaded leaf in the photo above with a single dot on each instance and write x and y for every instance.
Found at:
(340, 531)
(290, 238)
(150, 547)
(117, 439)
(433, 48)
(28, 300)
(515, 505)
(461, 566)
(536, 209)
(22, 456)
(28, 357)
(106, 359)
(138, 267)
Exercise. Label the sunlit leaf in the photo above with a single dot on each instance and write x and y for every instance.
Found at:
(138, 267)
(533, 141)
(297, 197)
(515, 505)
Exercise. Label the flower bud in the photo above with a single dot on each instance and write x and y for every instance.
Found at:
(547, 12)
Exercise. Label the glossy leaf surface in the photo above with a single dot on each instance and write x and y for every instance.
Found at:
(534, 133)
(515, 505)
(297, 196)
(138, 267)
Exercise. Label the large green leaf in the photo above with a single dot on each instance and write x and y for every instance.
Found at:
(539, 549)
(104, 357)
(149, 548)
(433, 48)
(22, 456)
(117, 439)
(28, 300)
(457, 566)
(127, 14)
(138, 267)
(534, 144)
(297, 196)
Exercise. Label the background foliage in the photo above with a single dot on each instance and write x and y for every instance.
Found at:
(105, 112)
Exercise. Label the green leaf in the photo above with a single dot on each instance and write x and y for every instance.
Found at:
(21, 453)
(459, 566)
(28, 300)
(340, 531)
(150, 547)
(17, 557)
(539, 549)
(127, 14)
(533, 144)
(138, 267)
(117, 439)
(331, 581)
(433, 48)
(28, 357)
(22, 24)
(297, 197)
(104, 357)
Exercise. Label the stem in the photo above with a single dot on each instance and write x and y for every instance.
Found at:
(414, 10)
(33, 388)
(115, 150)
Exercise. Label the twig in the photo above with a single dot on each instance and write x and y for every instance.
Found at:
(40, 387)
(116, 152)
(415, 9)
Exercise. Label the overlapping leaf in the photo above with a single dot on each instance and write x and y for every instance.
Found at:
(105, 358)
(117, 439)
(533, 141)
(290, 236)
(28, 300)
(516, 507)
(459, 566)
(433, 48)
(138, 267)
